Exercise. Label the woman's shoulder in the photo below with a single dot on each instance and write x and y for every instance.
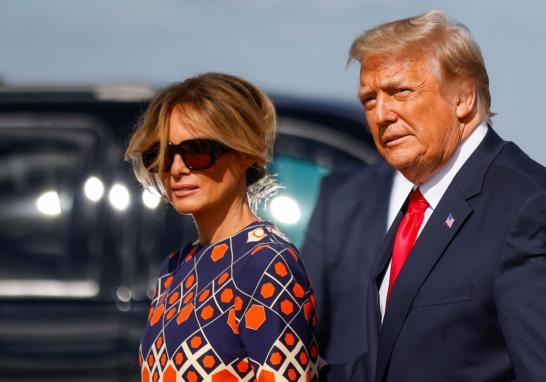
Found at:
(261, 232)
(265, 252)
(261, 238)
(171, 262)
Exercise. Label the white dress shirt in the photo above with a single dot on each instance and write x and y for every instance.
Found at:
(401, 187)
(432, 190)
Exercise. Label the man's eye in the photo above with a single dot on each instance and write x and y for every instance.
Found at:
(403, 91)
(366, 101)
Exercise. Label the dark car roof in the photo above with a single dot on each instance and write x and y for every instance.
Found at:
(135, 94)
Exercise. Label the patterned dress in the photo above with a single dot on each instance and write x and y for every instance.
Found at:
(240, 309)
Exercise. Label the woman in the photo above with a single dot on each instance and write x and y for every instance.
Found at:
(235, 305)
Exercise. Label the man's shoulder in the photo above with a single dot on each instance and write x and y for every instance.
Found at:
(518, 171)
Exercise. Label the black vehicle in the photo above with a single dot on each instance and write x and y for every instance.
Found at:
(81, 242)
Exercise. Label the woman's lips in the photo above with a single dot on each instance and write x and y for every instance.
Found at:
(181, 190)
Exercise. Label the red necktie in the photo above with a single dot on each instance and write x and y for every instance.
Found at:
(407, 234)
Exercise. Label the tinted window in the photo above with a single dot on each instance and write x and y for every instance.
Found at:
(43, 165)
(305, 153)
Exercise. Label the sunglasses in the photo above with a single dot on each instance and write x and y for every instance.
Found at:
(197, 154)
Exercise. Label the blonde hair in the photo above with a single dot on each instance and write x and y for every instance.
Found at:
(226, 108)
(458, 55)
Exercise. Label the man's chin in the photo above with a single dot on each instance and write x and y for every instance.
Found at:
(408, 168)
(399, 162)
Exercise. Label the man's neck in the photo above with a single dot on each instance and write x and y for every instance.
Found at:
(434, 188)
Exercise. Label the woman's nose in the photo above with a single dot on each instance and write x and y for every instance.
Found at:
(178, 166)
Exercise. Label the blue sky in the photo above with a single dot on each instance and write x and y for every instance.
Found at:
(289, 46)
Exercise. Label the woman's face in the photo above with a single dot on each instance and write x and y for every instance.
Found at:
(198, 191)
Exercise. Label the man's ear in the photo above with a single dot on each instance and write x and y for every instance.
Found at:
(467, 100)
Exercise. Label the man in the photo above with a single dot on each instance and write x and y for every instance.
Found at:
(458, 288)
(345, 232)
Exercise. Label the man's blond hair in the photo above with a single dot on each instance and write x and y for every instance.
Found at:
(451, 43)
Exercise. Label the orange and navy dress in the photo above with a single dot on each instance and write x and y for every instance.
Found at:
(241, 309)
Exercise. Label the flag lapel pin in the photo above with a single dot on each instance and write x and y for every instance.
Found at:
(449, 221)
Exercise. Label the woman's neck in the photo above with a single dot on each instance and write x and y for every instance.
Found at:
(217, 224)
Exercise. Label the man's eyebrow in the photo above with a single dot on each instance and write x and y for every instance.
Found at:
(392, 83)
(389, 84)
(361, 94)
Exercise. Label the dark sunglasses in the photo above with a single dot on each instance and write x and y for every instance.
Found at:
(197, 154)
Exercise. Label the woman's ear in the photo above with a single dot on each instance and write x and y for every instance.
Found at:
(246, 160)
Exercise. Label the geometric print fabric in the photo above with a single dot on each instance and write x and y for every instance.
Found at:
(241, 309)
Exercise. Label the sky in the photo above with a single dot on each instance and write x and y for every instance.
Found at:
(295, 47)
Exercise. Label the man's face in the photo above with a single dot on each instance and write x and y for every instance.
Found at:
(411, 115)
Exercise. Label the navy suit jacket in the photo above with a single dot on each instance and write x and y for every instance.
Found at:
(470, 302)
(343, 237)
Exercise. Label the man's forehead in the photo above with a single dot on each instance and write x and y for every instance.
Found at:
(379, 59)
(378, 66)
(386, 61)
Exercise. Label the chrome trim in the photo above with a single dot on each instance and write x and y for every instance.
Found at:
(316, 132)
(48, 288)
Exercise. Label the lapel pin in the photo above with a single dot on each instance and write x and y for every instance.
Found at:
(449, 221)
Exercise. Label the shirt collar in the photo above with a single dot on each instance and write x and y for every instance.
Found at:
(401, 187)
(434, 188)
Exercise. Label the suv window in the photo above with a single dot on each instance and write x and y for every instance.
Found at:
(305, 153)
(43, 165)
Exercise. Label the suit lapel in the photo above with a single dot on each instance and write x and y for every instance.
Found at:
(374, 313)
(373, 232)
(384, 178)
(428, 249)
